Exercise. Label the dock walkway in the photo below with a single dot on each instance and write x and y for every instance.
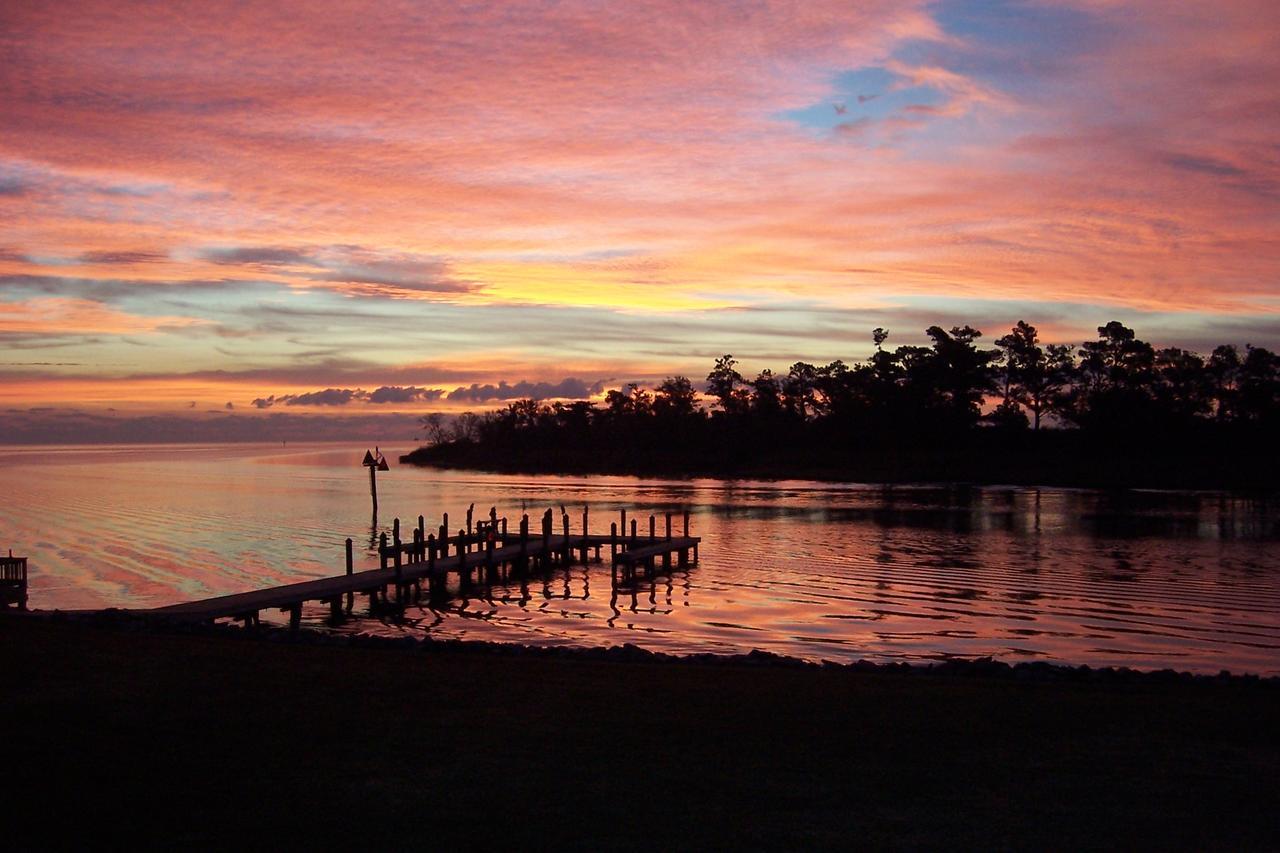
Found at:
(483, 553)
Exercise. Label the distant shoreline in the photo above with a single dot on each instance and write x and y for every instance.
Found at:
(1060, 466)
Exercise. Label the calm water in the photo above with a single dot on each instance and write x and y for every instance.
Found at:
(1149, 580)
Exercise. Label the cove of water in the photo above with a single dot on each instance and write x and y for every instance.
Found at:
(1187, 580)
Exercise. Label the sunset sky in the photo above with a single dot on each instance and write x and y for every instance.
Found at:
(348, 209)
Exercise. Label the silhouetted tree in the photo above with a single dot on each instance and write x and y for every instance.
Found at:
(800, 390)
(436, 427)
(766, 396)
(723, 383)
(1034, 377)
(675, 398)
(1224, 369)
(959, 371)
(1259, 397)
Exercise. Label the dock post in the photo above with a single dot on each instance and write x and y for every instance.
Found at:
(568, 552)
(585, 534)
(504, 528)
(546, 538)
(471, 509)
(431, 562)
(335, 609)
(686, 524)
(382, 550)
(444, 533)
(488, 556)
(395, 531)
(613, 544)
(351, 597)
(422, 529)
(634, 536)
(622, 526)
(416, 557)
(295, 617)
(653, 530)
(399, 574)
(464, 574)
(524, 542)
(668, 527)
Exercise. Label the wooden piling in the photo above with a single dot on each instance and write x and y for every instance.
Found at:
(471, 509)
(567, 555)
(429, 549)
(397, 563)
(463, 572)
(546, 538)
(524, 542)
(613, 544)
(382, 550)
(653, 530)
(351, 597)
(686, 524)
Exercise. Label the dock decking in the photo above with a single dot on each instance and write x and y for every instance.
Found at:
(483, 552)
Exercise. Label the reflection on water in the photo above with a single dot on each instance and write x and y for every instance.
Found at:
(820, 571)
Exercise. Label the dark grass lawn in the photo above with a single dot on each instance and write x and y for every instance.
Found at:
(136, 739)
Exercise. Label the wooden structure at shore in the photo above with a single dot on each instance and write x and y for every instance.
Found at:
(481, 552)
(13, 581)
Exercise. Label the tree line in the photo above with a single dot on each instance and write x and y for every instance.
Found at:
(1116, 389)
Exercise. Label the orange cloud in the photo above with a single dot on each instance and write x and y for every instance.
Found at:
(55, 315)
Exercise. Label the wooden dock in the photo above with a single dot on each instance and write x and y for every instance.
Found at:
(481, 552)
(13, 581)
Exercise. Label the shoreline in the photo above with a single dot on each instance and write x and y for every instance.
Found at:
(118, 619)
(159, 739)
